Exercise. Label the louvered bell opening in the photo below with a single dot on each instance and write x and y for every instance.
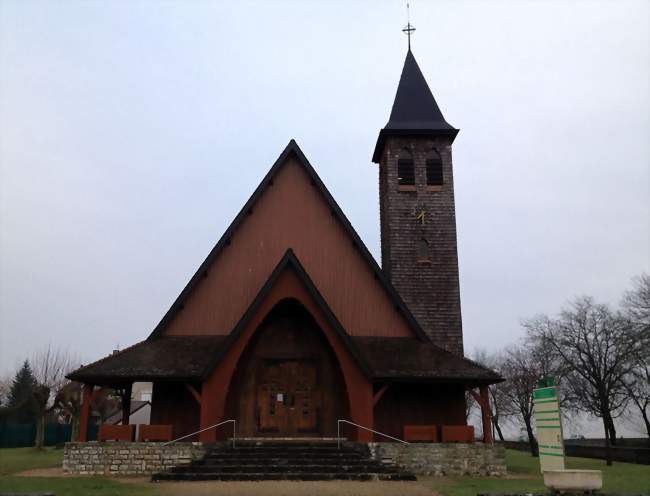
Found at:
(405, 172)
(434, 172)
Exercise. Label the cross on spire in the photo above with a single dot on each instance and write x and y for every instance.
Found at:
(409, 28)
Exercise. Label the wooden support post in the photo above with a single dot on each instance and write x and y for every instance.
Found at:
(486, 415)
(126, 404)
(86, 398)
(361, 410)
(213, 405)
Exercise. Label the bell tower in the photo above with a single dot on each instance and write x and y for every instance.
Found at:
(418, 219)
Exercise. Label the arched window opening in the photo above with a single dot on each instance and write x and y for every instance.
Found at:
(423, 250)
(434, 168)
(405, 169)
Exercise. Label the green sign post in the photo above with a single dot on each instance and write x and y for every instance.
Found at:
(548, 423)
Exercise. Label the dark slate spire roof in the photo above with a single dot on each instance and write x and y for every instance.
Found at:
(414, 106)
(415, 111)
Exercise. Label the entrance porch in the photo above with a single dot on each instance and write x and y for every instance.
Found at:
(290, 370)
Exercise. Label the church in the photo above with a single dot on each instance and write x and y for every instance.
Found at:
(290, 325)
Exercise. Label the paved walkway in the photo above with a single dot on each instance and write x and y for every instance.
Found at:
(268, 488)
(290, 488)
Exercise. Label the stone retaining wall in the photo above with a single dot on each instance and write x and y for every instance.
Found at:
(439, 459)
(122, 458)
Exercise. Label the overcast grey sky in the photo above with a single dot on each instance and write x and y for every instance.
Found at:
(131, 133)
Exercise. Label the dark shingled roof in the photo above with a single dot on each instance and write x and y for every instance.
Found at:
(415, 111)
(192, 358)
(171, 358)
(410, 359)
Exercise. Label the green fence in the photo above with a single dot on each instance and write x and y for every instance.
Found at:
(23, 435)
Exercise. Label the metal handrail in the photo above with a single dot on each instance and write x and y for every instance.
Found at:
(234, 432)
(338, 432)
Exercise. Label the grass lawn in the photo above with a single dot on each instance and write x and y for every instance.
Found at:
(523, 476)
(13, 460)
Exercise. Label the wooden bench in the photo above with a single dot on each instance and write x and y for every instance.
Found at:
(457, 434)
(108, 432)
(154, 432)
(421, 433)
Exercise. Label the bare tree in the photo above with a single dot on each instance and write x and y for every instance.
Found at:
(105, 403)
(68, 404)
(596, 348)
(636, 305)
(5, 387)
(637, 384)
(521, 372)
(470, 407)
(50, 367)
(500, 405)
(636, 302)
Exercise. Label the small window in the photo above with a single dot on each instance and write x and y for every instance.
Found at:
(423, 250)
(434, 169)
(405, 169)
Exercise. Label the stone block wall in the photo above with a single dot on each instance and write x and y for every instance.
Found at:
(122, 458)
(437, 459)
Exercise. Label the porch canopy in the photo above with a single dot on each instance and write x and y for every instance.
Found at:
(190, 360)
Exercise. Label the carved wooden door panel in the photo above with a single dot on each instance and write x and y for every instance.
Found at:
(271, 391)
(305, 400)
(288, 397)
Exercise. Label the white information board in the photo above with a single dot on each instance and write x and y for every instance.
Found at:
(548, 423)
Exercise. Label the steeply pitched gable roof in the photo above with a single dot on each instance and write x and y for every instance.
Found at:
(415, 110)
(292, 149)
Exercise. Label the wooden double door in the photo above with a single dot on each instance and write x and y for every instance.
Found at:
(288, 398)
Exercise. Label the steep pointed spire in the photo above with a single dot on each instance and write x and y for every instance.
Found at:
(414, 106)
(415, 111)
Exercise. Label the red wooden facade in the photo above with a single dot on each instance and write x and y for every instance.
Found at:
(289, 213)
(290, 325)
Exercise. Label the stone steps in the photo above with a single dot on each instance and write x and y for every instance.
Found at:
(279, 456)
(277, 460)
(289, 468)
(303, 476)
(280, 462)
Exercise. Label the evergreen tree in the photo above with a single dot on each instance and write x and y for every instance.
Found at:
(20, 404)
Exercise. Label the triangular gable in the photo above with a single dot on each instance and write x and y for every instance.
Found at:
(291, 151)
(289, 262)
